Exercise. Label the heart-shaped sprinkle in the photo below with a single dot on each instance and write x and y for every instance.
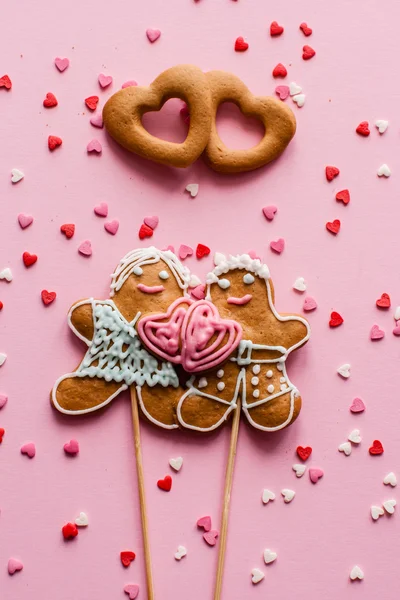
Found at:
(305, 29)
(50, 100)
(16, 175)
(132, 590)
(331, 173)
(267, 495)
(275, 29)
(3, 400)
(94, 146)
(315, 474)
(240, 45)
(82, 520)
(294, 89)
(269, 212)
(335, 320)
(71, 447)
(5, 82)
(376, 333)
(61, 63)
(357, 406)
(176, 463)
(3, 358)
(381, 125)
(127, 556)
(299, 99)
(6, 274)
(68, 229)
(97, 120)
(333, 226)
(389, 506)
(199, 292)
(145, 231)
(299, 469)
(354, 436)
(48, 297)
(363, 129)
(343, 196)
(345, 448)
(193, 189)
(85, 248)
(304, 452)
(376, 448)
(14, 565)
(300, 284)
(205, 523)
(153, 34)
(384, 171)
(151, 222)
(24, 220)
(356, 573)
(309, 304)
(278, 246)
(344, 370)
(282, 91)
(29, 449)
(101, 210)
(91, 102)
(53, 142)
(308, 52)
(29, 259)
(396, 330)
(105, 80)
(112, 226)
(2, 432)
(257, 575)
(184, 251)
(211, 537)
(130, 83)
(202, 251)
(69, 531)
(288, 495)
(383, 301)
(279, 71)
(376, 512)
(390, 479)
(180, 553)
(165, 484)
(269, 556)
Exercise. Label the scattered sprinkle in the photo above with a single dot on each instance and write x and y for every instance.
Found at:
(279, 71)
(127, 556)
(240, 45)
(315, 474)
(68, 229)
(112, 226)
(2, 432)
(278, 246)
(132, 589)
(267, 495)
(363, 129)
(211, 537)
(91, 102)
(383, 301)
(71, 447)
(344, 370)
(3, 358)
(5, 82)
(299, 99)
(333, 226)
(396, 330)
(269, 212)
(300, 284)
(376, 448)
(288, 495)
(29, 259)
(331, 173)
(390, 479)
(389, 506)
(381, 125)
(130, 83)
(204, 523)
(97, 120)
(82, 520)
(101, 210)
(308, 52)
(345, 448)
(184, 251)
(53, 142)
(376, 333)
(151, 222)
(48, 297)
(376, 512)
(384, 171)
(193, 189)
(282, 91)
(257, 575)
(269, 556)
(145, 231)
(309, 303)
(94, 146)
(343, 196)
(299, 469)
(29, 449)
(50, 100)
(165, 484)
(305, 29)
(153, 35)
(357, 406)
(180, 553)
(202, 251)
(275, 29)
(3, 400)
(336, 319)
(14, 565)
(69, 531)
(304, 452)
(294, 89)
(354, 436)
(24, 220)
(16, 175)
(104, 80)
(356, 573)
(176, 463)
(61, 64)
(85, 248)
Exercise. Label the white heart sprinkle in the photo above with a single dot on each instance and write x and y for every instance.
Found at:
(194, 281)
(344, 370)
(82, 520)
(300, 284)
(397, 314)
(389, 506)
(355, 436)
(299, 99)
(193, 189)
(180, 553)
(6, 274)
(267, 495)
(294, 89)
(202, 383)
(16, 175)
(176, 463)
(356, 573)
(288, 495)
(384, 170)
(3, 358)
(257, 575)
(376, 512)
(269, 556)
(381, 125)
(345, 448)
(299, 470)
(390, 479)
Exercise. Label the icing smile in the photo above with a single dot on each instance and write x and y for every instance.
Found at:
(150, 289)
(239, 301)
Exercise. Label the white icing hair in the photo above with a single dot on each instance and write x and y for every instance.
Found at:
(148, 256)
(224, 264)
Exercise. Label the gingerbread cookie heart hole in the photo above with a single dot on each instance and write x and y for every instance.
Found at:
(236, 130)
(166, 123)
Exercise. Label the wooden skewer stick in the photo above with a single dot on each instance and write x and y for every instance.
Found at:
(226, 503)
(142, 496)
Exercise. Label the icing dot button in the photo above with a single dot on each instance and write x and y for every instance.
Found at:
(269, 374)
(69, 531)
(220, 386)
(220, 373)
(165, 484)
(254, 381)
(256, 369)
(270, 389)
(376, 448)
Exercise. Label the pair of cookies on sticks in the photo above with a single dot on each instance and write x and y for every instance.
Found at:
(203, 93)
(189, 364)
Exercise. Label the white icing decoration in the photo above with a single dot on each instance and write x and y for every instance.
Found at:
(137, 271)
(219, 258)
(203, 382)
(282, 379)
(283, 387)
(163, 275)
(256, 369)
(248, 278)
(241, 261)
(220, 373)
(269, 374)
(270, 389)
(194, 281)
(224, 283)
(256, 393)
(254, 381)
(220, 386)
(279, 366)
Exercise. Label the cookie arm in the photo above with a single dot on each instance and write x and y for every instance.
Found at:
(80, 319)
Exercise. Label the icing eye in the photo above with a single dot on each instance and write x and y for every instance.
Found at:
(138, 271)
(163, 275)
(224, 283)
(248, 278)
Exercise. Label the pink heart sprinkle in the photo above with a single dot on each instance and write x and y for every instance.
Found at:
(94, 146)
(153, 34)
(97, 120)
(132, 590)
(205, 523)
(253, 254)
(14, 565)
(211, 537)
(3, 400)
(151, 222)
(25, 220)
(29, 449)
(282, 91)
(170, 248)
(61, 64)
(130, 83)
(112, 226)
(357, 406)
(309, 303)
(376, 333)
(85, 248)
(184, 251)
(199, 292)
(278, 246)
(269, 212)
(396, 330)
(315, 473)
(71, 447)
(101, 210)
(104, 80)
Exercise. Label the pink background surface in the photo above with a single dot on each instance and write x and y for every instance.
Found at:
(327, 529)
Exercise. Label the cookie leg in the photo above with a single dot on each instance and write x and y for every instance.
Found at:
(158, 404)
(275, 414)
(78, 395)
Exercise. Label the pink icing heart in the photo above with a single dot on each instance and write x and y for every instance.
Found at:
(94, 146)
(85, 248)
(269, 212)
(71, 447)
(396, 330)
(205, 523)
(97, 120)
(309, 303)
(357, 406)
(132, 590)
(211, 537)
(151, 221)
(253, 254)
(24, 220)
(153, 34)
(61, 63)
(101, 210)
(14, 565)
(278, 246)
(105, 80)
(315, 473)
(376, 333)
(130, 83)
(3, 400)
(184, 251)
(199, 292)
(282, 91)
(29, 449)
(112, 226)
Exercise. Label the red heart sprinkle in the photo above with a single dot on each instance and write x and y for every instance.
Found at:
(127, 557)
(241, 45)
(303, 453)
(165, 484)
(383, 301)
(68, 230)
(29, 259)
(335, 319)
(48, 297)
(279, 71)
(50, 100)
(145, 231)
(334, 226)
(202, 251)
(69, 531)
(376, 448)
(331, 173)
(5, 82)
(91, 102)
(305, 29)
(343, 196)
(308, 52)
(1, 305)
(2, 432)
(53, 142)
(275, 29)
(363, 129)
